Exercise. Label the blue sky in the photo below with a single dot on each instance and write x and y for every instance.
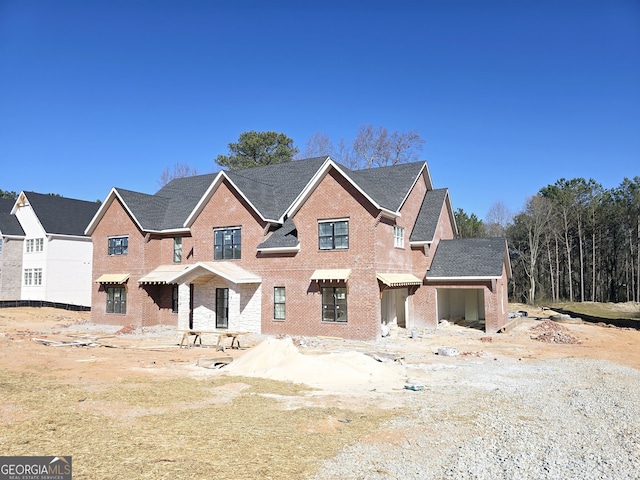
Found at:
(509, 96)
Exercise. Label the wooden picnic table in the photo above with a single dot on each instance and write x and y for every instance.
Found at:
(197, 334)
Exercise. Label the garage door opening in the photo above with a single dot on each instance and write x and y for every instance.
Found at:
(462, 306)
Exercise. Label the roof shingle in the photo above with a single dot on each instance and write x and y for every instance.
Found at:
(468, 257)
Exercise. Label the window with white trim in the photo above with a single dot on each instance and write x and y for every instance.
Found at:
(39, 244)
(333, 235)
(398, 237)
(28, 245)
(32, 277)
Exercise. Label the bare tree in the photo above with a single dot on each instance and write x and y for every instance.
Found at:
(180, 170)
(318, 145)
(497, 219)
(530, 226)
(372, 147)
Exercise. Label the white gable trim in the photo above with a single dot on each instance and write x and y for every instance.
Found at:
(315, 181)
(113, 194)
(424, 171)
(222, 175)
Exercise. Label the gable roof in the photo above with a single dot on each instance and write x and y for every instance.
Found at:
(273, 191)
(60, 215)
(424, 229)
(471, 258)
(389, 186)
(9, 224)
(285, 237)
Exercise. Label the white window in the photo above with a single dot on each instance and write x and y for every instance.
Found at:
(398, 237)
(32, 277)
(39, 244)
(29, 245)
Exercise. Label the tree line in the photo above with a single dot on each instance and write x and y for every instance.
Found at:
(371, 147)
(574, 240)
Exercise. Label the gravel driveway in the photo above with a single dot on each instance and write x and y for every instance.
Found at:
(507, 419)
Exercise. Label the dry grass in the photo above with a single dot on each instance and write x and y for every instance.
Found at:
(179, 430)
(625, 310)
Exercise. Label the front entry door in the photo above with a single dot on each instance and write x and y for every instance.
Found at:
(222, 308)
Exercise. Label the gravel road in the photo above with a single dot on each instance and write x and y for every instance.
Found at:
(507, 419)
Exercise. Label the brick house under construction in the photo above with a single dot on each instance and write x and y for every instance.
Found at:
(307, 247)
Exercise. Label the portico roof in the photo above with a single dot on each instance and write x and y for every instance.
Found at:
(227, 270)
(162, 273)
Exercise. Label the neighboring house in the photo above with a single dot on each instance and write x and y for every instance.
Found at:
(45, 253)
(301, 248)
(11, 249)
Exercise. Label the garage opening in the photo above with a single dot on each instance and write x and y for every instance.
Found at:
(462, 306)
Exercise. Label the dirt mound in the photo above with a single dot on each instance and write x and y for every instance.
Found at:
(551, 332)
(279, 359)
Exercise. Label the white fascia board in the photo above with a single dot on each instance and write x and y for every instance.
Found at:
(13, 237)
(315, 181)
(452, 217)
(14, 209)
(420, 243)
(427, 181)
(280, 249)
(61, 236)
(113, 194)
(427, 175)
(171, 231)
(209, 193)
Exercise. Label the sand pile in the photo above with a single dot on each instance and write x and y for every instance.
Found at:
(279, 359)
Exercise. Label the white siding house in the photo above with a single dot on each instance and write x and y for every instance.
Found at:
(56, 254)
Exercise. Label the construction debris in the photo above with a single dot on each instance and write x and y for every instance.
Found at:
(74, 343)
(551, 332)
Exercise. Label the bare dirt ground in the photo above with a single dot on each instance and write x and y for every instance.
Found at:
(133, 404)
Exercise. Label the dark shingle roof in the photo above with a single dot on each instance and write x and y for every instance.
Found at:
(427, 221)
(283, 237)
(170, 206)
(388, 186)
(60, 215)
(271, 189)
(9, 224)
(468, 257)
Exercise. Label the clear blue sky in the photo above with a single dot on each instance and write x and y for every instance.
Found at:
(509, 96)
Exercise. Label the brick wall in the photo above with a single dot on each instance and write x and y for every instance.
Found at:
(371, 250)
